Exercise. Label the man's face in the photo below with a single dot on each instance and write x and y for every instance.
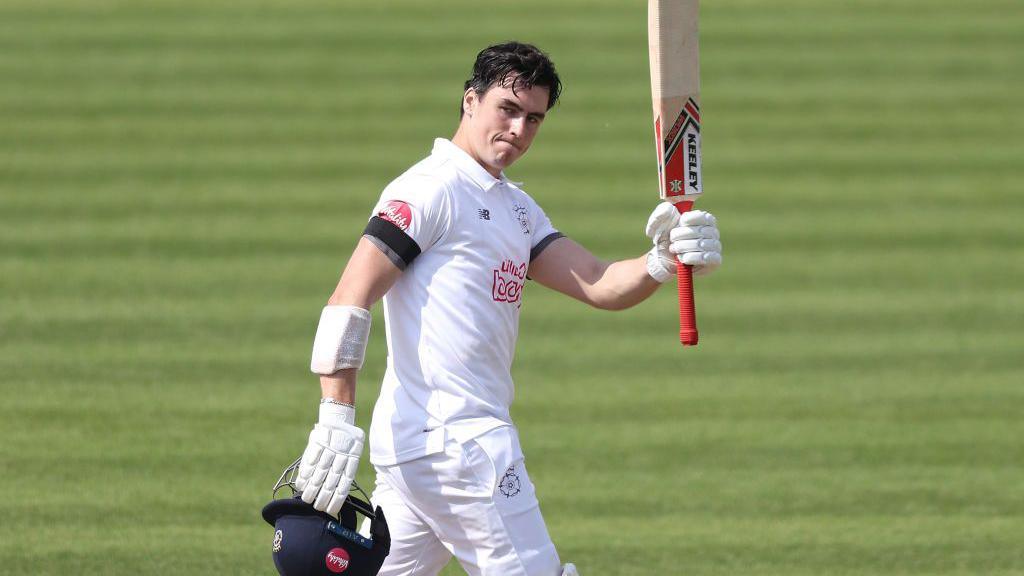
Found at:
(501, 125)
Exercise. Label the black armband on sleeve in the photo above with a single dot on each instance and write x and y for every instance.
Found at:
(536, 250)
(398, 246)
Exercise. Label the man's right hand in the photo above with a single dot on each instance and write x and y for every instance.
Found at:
(331, 458)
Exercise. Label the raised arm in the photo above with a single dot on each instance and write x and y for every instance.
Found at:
(571, 269)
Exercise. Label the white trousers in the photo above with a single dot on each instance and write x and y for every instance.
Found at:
(474, 501)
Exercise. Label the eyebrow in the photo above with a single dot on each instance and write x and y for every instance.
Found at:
(514, 104)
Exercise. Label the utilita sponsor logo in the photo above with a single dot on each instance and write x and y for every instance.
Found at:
(508, 282)
(398, 213)
(337, 560)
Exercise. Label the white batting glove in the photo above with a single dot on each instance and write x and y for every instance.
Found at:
(695, 242)
(691, 237)
(331, 458)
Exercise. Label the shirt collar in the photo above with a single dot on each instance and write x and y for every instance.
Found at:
(467, 165)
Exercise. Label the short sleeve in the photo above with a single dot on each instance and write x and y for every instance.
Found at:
(413, 214)
(542, 232)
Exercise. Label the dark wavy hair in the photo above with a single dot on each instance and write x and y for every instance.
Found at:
(524, 65)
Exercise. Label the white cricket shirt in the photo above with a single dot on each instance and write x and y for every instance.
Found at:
(452, 318)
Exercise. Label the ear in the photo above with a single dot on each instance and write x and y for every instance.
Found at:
(469, 102)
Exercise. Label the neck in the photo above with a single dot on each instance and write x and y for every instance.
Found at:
(461, 140)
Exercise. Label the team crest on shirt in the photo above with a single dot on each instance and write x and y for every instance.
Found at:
(522, 214)
(398, 213)
(510, 484)
(508, 282)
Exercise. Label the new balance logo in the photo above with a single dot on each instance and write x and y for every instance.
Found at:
(484, 214)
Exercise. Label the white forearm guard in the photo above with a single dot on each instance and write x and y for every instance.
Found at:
(340, 339)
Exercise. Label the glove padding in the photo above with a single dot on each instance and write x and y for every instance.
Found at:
(690, 237)
(329, 464)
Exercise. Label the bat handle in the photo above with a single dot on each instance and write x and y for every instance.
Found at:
(687, 312)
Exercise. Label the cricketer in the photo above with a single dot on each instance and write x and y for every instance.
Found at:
(449, 248)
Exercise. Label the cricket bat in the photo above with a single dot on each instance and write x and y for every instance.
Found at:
(675, 91)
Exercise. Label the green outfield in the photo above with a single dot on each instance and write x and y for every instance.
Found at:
(181, 183)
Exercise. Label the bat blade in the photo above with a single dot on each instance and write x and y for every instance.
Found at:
(675, 93)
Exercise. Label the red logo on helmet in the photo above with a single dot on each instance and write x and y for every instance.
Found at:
(337, 560)
(398, 213)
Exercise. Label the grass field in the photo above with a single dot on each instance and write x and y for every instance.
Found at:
(181, 183)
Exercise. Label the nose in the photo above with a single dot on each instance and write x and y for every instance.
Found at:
(516, 127)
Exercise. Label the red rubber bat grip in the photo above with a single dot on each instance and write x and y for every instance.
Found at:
(687, 311)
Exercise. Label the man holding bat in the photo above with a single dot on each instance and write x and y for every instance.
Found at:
(449, 247)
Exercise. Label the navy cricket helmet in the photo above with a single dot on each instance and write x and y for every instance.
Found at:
(308, 542)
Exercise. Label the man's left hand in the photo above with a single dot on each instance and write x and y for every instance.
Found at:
(691, 237)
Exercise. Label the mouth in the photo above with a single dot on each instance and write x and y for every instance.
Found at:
(512, 144)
